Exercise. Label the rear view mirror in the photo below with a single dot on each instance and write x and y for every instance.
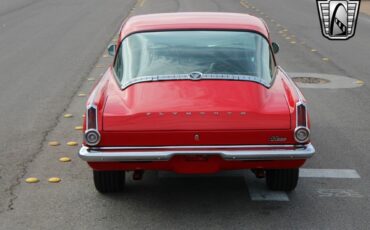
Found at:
(112, 50)
(275, 48)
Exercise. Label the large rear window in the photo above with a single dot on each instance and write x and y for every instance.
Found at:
(221, 54)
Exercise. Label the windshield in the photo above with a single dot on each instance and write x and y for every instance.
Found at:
(242, 55)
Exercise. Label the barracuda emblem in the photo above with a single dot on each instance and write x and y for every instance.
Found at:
(338, 19)
(277, 139)
(195, 75)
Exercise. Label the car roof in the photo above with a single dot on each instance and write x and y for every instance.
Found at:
(193, 21)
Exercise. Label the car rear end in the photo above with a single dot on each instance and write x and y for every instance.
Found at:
(235, 110)
(153, 123)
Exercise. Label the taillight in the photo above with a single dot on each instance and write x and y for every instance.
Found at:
(91, 118)
(92, 135)
(301, 115)
(301, 132)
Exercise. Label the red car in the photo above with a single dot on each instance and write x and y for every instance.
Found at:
(195, 93)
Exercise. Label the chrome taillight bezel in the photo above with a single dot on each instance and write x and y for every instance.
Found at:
(297, 129)
(92, 117)
(304, 122)
(92, 125)
(89, 132)
(301, 122)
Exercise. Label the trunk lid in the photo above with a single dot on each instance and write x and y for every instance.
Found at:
(212, 105)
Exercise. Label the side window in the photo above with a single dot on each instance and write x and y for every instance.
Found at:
(272, 65)
(118, 65)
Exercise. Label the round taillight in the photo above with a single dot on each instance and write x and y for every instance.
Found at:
(302, 134)
(92, 137)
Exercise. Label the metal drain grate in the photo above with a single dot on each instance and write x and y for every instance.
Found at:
(310, 80)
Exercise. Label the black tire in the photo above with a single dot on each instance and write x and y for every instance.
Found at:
(109, 181)
(282, 179)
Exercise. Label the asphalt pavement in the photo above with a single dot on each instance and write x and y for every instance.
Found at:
(52, 54)
(47, 49)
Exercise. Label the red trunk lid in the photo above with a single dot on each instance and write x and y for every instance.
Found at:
(212, 105)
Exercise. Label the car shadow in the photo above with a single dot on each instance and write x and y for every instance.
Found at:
(165, 195)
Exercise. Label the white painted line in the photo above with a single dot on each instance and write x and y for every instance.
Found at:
(259, 192)
(339, 193)
(329, 173)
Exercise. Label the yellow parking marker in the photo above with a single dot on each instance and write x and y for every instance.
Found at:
(32, 180)
(293, 42)
(244, 4)
(54, 179)
(67, 115)
(359, 82)
(91, 79)
(313, 50)
(82, 94)
(65, 159)
(278, 25)
(325, 59)
(72, 143)
(54, 143)
(106, 55)
(280, 32)
(78, 128)
(286, 30)
(287, 38)
(142, 2)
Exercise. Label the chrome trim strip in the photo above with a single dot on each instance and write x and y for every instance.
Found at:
(202, 77)
(115, 76)
(300, 102)
(226, 152)
(298, 92)
(306, 110)
(195, 147)
(96, 116)
(92, 97)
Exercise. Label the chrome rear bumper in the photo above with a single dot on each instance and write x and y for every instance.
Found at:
(164, 153)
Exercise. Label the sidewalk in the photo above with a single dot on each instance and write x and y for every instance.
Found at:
(365, 7)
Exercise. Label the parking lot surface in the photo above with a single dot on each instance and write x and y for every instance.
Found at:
(53, 52)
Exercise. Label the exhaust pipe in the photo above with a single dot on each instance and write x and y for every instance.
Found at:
(138, 175)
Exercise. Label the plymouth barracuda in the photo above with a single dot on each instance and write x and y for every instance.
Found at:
(195, 93)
